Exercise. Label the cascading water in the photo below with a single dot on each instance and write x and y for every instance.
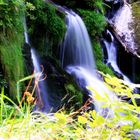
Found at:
(122, 21)
(78, 60)
(42, 95)
(77, 48)
(112, 55)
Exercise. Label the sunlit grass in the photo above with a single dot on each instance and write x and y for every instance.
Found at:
(18, 123)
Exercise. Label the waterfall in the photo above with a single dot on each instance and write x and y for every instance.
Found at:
(78, 60)
(42, 95)
(122, 21)
(112, 55)
(77, 48)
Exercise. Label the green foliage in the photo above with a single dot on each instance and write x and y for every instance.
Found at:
(104, 68)
(43, 17)
(98, 5)
(95, 22)
(12, 60)
(11, 41)
(3, 82)
(74, 97)
(11, 15)
(76, 125)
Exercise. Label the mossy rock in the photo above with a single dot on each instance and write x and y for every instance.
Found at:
(136, 15)
(62, 90)
(46, 27)
(12, 61)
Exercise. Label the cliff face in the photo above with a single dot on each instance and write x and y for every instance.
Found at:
(136, 24)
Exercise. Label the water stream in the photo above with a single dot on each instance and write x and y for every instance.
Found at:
(122, 22)
(41, 92)
(111, 48)
(78, 60)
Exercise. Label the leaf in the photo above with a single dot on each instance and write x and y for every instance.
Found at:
(82, 120)
(61, 118)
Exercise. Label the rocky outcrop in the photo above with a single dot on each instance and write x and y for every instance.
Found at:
(27, 58)
(136, 24)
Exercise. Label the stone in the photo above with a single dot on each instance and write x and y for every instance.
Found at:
(26, 51)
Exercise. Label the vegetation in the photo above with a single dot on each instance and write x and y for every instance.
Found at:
(99, 59)
(74, 97)
(44, 17)
(11, 16)
(11, 41)
(119, 119)
(3, 82)
(95, 22)
(12, 61)
(18, 122)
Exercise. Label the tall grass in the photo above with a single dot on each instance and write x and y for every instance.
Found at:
(22, 123)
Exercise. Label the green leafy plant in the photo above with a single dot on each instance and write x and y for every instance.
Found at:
(11, 15)
(3, 82)
(76, 125)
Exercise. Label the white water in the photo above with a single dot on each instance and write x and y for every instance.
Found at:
(77, 48)
(112, 55)
(122, 21)
(78, 60)
(42, 95)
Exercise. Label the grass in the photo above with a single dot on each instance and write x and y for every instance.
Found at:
(21, 123)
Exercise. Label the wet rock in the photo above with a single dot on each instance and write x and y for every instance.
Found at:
(115, 72)
(107, 35)
(113, 6)
(136, 90)
(58, 93)
(26, 51)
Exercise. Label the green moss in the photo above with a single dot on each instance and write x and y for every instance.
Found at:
(12, 60)
(11, 40)
(46, 26)
(95, 22)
